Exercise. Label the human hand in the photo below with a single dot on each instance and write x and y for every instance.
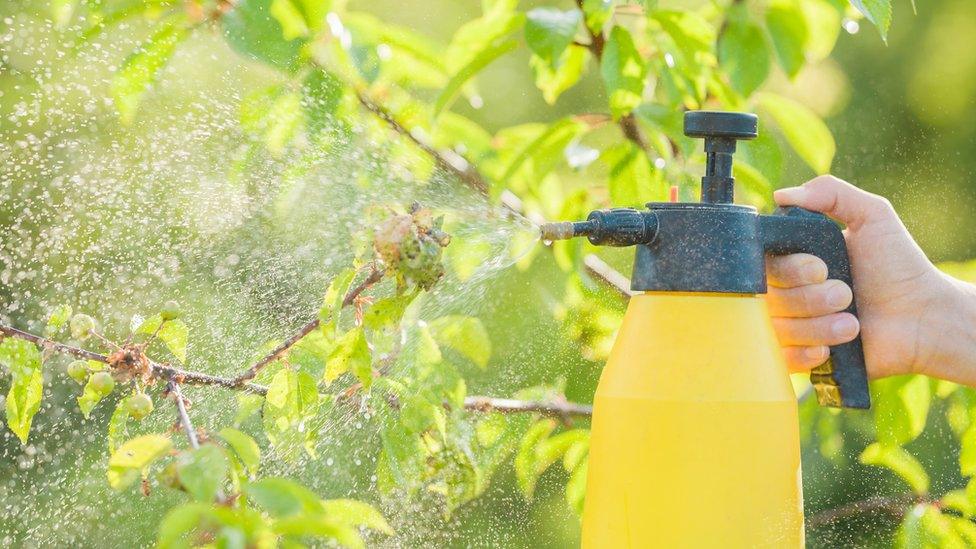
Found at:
(907, 308)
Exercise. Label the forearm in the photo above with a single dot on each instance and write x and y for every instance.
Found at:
(947, 344)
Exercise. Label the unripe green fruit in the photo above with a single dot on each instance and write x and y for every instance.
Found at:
(102, 382)
(78, 370)
(171, 310)
(139, 405)
(81, 326)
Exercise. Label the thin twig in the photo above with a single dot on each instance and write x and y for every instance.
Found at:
(561, 408)
(162, 370)
(45, 343)
(191, 433)
(466, 171)
(374, 276)
(892, 505)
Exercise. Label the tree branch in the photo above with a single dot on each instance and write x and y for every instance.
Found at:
(892, 505)
(466, 171)
(176, 376)
(162, 370)
(561, 408)
(177, 395)
(374, 276)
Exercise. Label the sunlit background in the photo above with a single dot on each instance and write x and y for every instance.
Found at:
(119, 219)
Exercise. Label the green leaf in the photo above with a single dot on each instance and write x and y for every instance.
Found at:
(332, 303)
(597, 13)
(57, 320)
(401, 461)
(901, 407)
(202, 471)
(89, 398)
(179, 523)
(899, 461)
(576, 488)
(291, 402)
(475, 37)
(356, 513)
(388, 311)
(61, 12)
(765, 154)
(321, 95)
(633, 180)
(282, 497)
(823, 20)
(428, 351)
(549, 31)
(623, 72)
(320, 527)
(245, 448)
(539, 155)
(23, 359)
(554, 81)
(527, 458)
(140, 69)
(788, 30)
(967, 451)
(129, 462)
(173, 334)
(743, 52)
(290, 18)
(118, 426)
(251, 29)
(757, 187)
(803, 130)
(247, 406)
(466, 335)
(479, 62)
(691, 33)
(925, 527)
(351, 353)
(877, 12)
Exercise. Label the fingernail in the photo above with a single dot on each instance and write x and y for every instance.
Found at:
(816, 353)
(845, 327)
(814, 271)
(838, 296)
(790, 195)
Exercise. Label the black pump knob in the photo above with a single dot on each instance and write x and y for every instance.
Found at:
(720, 131)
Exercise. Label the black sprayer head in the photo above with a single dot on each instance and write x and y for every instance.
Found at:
(718, 247)
(720, 131)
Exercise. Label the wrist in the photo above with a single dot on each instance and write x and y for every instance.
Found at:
(946, 344)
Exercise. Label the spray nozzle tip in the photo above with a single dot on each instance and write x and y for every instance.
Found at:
(557, 231)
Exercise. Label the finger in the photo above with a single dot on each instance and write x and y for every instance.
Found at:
(832, 329)
(836, 198)
(831, 296)
(804, 359)
(790, 271)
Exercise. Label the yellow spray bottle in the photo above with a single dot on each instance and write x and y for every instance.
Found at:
(695, 438)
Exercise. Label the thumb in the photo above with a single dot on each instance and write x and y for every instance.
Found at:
(836, 198)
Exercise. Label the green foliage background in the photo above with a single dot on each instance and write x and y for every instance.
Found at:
(899, 118)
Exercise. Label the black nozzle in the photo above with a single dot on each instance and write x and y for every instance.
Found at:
(720, 131)
(616, 227)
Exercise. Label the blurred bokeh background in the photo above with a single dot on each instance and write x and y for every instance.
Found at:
(116, 220)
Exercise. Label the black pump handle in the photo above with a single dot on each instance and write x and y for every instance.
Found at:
(842, 381)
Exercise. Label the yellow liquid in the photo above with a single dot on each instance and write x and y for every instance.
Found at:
(694, 439)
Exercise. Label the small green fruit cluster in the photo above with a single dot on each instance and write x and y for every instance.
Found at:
(102, 382)
(78, 370)
(81, 326)
(139, 406)
(171, 310)
(412, 246)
